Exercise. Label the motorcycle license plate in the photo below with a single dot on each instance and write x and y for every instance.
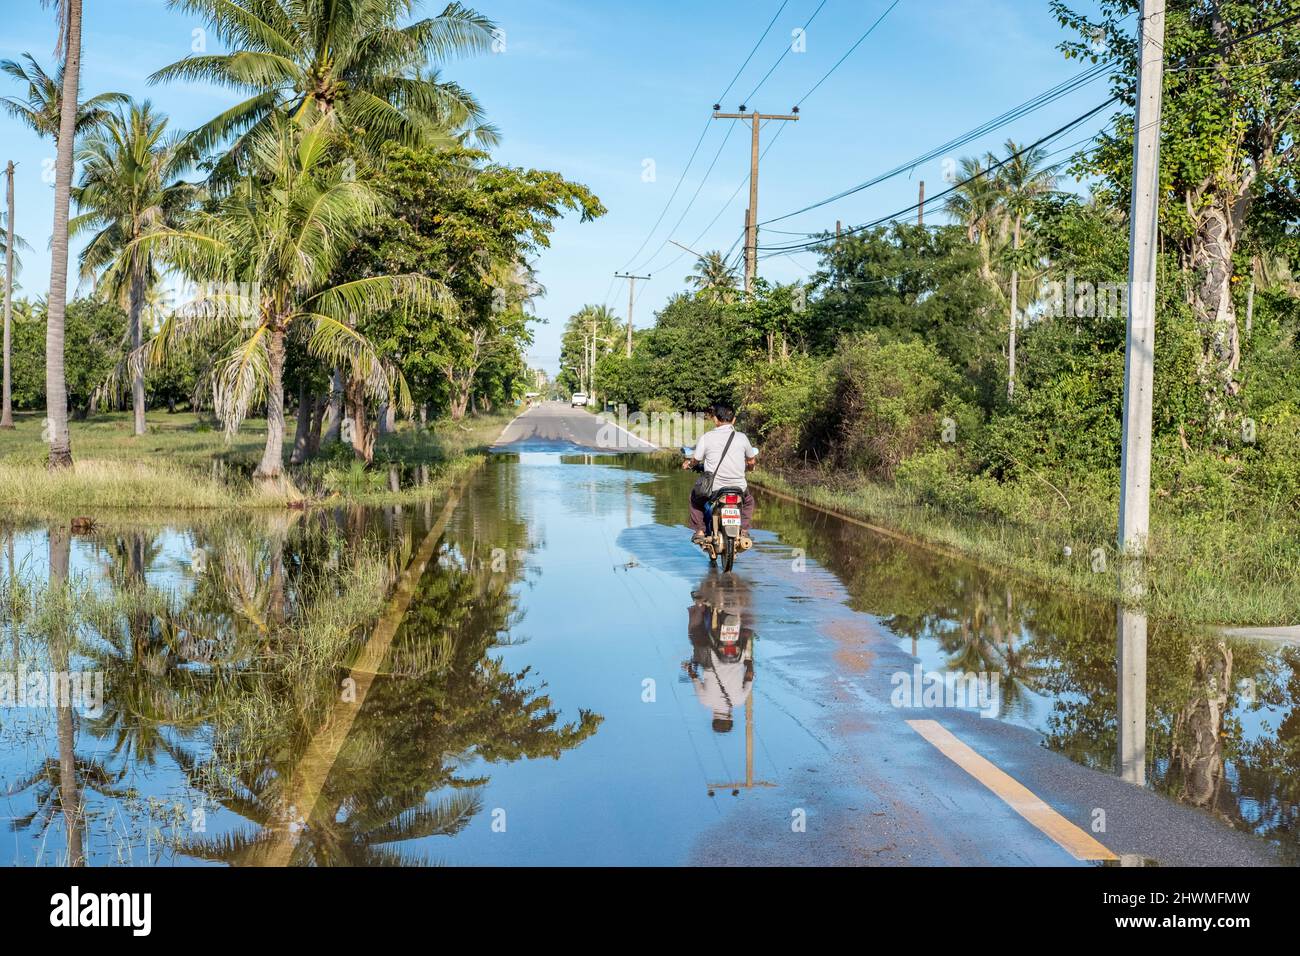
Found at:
(730, 633)
(730, 516)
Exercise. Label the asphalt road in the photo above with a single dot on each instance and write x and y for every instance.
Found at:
(822, 765)
(555, 426)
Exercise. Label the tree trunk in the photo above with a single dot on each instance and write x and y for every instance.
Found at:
(460, 393)
(70, 798)
(387, 419)
(333, 409)
(272, 464)
(354, 408)
(136, 336)
(56, 386)
(6, 398)
(1015, 307)
(320, 404)
(302, 431)
(1211, 261)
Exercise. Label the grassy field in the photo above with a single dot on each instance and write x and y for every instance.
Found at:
(182, 463)
(1221, 572)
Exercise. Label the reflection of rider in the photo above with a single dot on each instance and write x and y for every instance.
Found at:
(721, 667)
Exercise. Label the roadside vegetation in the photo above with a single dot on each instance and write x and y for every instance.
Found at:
(329, 286)
(963, 381)
(183, 463)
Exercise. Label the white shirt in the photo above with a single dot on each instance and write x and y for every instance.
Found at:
(731, 472)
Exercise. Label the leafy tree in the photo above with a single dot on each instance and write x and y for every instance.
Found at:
(39, 107)
(471, 224)
(127, 191)
(281, 233)
(1230, 129)
(713, 278)
(349, 61)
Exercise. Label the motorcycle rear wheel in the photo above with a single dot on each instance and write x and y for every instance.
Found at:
(728, 552)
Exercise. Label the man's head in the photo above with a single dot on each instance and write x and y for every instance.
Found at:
(722, 725)
(723, 413)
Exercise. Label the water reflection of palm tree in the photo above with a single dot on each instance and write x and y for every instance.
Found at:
(441, 704)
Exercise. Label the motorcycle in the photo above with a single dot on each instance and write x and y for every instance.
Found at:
(722, 522)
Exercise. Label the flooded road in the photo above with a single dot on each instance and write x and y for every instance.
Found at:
(543, 670)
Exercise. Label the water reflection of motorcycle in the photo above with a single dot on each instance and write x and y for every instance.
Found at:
(721, 667)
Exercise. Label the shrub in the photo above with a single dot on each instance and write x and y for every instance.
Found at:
(879, 404)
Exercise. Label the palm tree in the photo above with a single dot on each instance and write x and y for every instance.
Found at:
(41, 108)
(128, 189)
(975, 204)
(350, 61)
(713, 278)
(56, 389)
(276, 237)
(1021, 181)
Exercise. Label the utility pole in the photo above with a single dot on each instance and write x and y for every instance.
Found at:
(631, 301)
(1139, 351)
(920, 206)
(7, 404)
(755, 121)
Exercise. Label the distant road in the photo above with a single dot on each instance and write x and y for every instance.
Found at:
(555, 426)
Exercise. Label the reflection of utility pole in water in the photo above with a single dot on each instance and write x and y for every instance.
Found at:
(1131, 661)
(749, 783)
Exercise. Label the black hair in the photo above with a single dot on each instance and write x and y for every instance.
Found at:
(722, 725)
(724, 412)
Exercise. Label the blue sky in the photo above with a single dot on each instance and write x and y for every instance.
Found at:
(599, 90)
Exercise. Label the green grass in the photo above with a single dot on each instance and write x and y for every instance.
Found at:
(1215, 570)
(183, 464)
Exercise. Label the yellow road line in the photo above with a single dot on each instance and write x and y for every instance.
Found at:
(303, 789)
(1075, 841)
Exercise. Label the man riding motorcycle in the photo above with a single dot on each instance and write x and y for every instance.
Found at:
(726, 454)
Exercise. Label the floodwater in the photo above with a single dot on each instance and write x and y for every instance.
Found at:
(544, 671)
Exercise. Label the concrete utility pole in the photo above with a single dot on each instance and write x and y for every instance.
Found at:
(7, 403)
(1139, 352)
(631, 301)
(920, 206)
(755, 121)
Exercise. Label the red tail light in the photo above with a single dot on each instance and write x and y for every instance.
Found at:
(731, 499)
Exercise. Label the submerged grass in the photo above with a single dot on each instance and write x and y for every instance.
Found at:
(1233, 570)
(183, 464)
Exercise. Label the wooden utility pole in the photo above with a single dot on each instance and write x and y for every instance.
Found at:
(631, 301)
(755, 121)
(920, 206)
(7, 403)
(1139, 351)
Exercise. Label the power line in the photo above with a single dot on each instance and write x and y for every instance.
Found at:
(769, 252)
(838, 63)
(784, 54)
(794, 247)
(871, 29)
(1031, 105)
(699, 142)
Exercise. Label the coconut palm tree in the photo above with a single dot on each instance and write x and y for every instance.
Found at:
(40, 108)
(128, 188)
(975, 204)
(264, 254)
(713, 278)
(1021, 181)
(56, 388)
(348, 59)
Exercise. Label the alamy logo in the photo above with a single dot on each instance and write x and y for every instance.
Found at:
(968, 691)
(103, 909)
(83, 690)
